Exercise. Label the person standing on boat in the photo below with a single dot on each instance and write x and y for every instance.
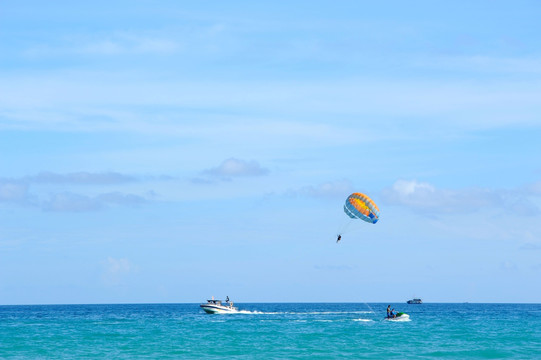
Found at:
(227, 299)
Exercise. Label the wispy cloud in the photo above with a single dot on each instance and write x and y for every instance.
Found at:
(74, 95)
(508, 266)
(486, 64)
(115, 270)
(17, 191)
(327, 189)
(118, 266)
(69, 202)
(534, 189)
(121, 199)
(120, 44)
(426, 197)
(13, 191)
(113, 44)
(531, 246)
(328, 267)
(83, 178)
(233, 168)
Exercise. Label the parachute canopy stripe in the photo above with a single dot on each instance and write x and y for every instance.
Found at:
(360, 206)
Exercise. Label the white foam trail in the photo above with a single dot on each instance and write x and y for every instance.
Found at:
(363, 320)
(256, 312)
(310, 312)
(333, 312)
(250, 312)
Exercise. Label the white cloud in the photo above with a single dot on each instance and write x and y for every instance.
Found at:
(120, 198)
(128, 44)
(327, 189)
(118, 266)
(17, 191)
(75, 95)
(69, 202)
(113, 44)
(534, 189)
(115, 270)
(531, 246)
(80, 178)
(105, 47)
(13, 191)
(232, 167)
(426, 197)
(486, 64)
(508, 266)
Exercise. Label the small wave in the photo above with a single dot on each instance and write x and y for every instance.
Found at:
(363, 320)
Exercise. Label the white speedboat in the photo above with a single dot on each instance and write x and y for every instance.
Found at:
(218, 307)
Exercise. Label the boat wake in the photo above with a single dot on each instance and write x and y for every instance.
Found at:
(229, 309)
(363, 320)
(315, 312)
(334, 312)
(256, 312)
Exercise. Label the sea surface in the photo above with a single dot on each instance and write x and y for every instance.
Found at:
(271, 331)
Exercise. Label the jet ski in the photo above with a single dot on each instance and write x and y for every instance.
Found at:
(399, 317)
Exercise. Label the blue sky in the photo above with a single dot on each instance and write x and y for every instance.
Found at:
(165, 151)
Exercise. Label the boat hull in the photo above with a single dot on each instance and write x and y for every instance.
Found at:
(217, 309)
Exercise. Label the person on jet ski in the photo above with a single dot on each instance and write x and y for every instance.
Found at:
(393, 314)
(389, 311)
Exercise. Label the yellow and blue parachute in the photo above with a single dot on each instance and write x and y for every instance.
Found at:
(360, 206)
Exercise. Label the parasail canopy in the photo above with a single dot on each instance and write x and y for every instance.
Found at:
(360, 206)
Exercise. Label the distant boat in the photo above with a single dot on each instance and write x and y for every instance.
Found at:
(218, 307)
(415, 301)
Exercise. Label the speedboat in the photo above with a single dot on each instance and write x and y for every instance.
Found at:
(218, 307)
(399, 317)
(415, 301)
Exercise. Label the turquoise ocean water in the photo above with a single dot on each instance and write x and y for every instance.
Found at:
(271, 331)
